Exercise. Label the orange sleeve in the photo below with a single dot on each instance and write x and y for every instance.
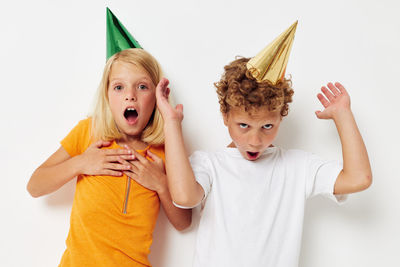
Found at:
(78, 139)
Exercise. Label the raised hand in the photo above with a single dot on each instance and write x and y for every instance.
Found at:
(335, 100)
(97, 161)
(167, 112)
(150, 174)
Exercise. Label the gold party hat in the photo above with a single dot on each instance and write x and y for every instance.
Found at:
(270, 63)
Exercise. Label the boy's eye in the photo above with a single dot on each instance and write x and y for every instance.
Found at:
(267, 126)
(142, 87)
(243, 125)
(118, 87)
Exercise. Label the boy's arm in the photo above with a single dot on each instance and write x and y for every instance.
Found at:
(356, 174)
(184, 188)
(60, 167)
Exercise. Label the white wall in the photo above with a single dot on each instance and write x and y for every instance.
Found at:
(51, 58)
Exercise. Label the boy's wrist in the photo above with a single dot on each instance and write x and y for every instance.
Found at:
(342, 114)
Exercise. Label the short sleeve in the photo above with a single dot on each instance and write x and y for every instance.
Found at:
(201, 168)
(78, 139)
(321, 177)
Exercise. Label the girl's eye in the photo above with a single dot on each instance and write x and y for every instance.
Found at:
(243, 125)
(118, 87)
(142, 87)
(267, 126)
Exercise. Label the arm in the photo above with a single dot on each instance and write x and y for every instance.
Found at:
(184, 188)
(60, 167)
(356, 174)
(151, 174)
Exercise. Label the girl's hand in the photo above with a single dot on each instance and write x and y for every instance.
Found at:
(335, 101)
(150, 174)
(97, 161)
(167, 112)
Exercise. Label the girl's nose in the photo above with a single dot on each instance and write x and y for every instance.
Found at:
(130, 96)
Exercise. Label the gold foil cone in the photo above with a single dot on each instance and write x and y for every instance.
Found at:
(270, 64)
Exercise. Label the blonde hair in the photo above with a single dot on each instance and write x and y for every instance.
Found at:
(103, 123)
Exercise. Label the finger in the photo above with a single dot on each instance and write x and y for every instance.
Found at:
(117, 166)
(117, 158)
(133, 167)
(141, 158)
(341, 88)
(111, 173)
(154, 157)
(320, 115)
(323, 100)
(161, 89)
(333, 89)
(118, 151)
(179, 108)
(102, 143)
(137, 166)
(327, 93)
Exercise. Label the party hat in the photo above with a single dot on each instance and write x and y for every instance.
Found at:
(118, 38)
(270, 64)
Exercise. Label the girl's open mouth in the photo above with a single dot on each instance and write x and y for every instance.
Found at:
(252, 155)
(131, 115)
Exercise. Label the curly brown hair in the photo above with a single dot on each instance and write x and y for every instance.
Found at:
(238, 88)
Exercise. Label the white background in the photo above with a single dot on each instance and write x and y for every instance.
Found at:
(51, 57)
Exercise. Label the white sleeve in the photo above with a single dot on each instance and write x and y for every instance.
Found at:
(201, 167)
(321, 177)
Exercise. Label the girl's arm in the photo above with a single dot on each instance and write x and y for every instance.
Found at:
(151, 174)
(356, 174)
(60, 167)
(184, 188)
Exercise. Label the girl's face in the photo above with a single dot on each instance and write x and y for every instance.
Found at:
(131, 95)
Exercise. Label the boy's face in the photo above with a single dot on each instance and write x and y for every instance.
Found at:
(252, 133)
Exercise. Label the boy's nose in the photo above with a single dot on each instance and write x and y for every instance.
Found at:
(255, 140)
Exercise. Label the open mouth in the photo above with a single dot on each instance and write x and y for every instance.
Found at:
(131, 115)
(252, 155)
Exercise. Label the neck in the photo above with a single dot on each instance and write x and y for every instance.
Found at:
(133, 142)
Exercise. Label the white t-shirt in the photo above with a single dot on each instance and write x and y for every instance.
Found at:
(252, 211)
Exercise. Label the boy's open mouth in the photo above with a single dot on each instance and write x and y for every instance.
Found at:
(252, 155)
(131, 115)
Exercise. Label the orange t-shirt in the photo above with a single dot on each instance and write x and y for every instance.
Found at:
(112, 218)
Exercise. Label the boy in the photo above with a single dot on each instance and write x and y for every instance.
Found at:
(253, 192)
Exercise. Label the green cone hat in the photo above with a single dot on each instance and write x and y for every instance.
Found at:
(118, 38)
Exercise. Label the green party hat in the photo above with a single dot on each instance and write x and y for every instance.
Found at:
(118, 38)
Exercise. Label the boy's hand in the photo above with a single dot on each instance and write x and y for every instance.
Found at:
(150, 174)
(335, 101)
(97, 161)
(167, 112)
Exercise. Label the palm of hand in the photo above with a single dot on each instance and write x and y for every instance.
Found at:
(335, 100)
(168, 112)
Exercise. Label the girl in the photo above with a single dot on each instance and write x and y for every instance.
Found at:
(117, 155)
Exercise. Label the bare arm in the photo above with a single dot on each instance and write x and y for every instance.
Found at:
(60, 167)
(356, 174)
(151, 174)
(184, 188)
